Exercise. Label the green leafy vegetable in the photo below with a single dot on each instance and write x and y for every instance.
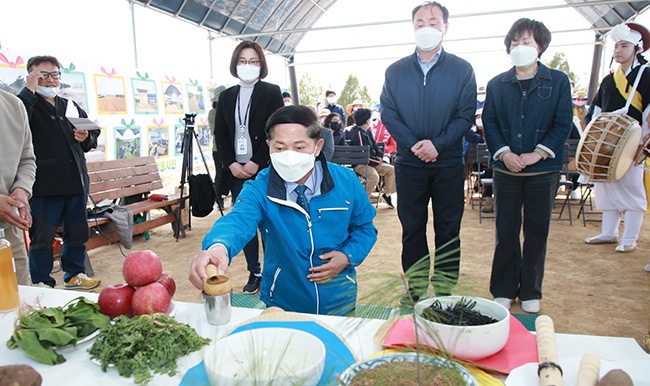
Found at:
(145, 344)
(39, 331)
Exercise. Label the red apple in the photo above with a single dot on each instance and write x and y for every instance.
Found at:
(115, 300)
(141, 268)
(151, 298)
(169, 283)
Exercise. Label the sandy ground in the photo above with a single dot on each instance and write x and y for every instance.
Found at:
(588, 289)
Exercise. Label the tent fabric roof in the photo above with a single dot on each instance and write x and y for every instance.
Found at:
(605, 16)
(264, 20)
(239, 17)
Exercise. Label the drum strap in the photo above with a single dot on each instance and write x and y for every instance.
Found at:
(632, 97)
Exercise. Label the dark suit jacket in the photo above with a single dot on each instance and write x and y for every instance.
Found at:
(266, 98)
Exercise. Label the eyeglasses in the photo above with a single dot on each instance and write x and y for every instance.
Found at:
(252, 62)
(53, 74)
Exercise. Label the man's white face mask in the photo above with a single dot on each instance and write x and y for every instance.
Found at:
(522, 56)
(427, 38)
(48, 92)
(292, 165)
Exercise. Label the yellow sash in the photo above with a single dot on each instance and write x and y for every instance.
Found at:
(622, 86)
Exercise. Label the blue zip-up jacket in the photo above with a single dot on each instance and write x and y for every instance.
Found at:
(439, 106)
(541, 116)
(340, 219)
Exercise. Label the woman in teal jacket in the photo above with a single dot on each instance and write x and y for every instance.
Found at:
(339, 218)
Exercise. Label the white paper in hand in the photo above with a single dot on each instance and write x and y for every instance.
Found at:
(71, 111)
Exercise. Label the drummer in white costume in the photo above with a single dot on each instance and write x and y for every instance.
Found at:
(626, 195)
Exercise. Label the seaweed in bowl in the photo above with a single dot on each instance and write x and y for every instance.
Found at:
(461, 313)
(468, 342)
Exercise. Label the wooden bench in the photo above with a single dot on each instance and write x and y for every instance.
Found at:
(113, 180)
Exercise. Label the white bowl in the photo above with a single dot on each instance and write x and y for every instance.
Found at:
(266, 356)
(465, 342)
(351, 372)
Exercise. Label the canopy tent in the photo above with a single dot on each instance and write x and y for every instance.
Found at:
(263, 20)
(279, 25)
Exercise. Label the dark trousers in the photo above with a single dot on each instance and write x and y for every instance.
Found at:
(252, 248)
(518, 272)
(48, 213)
(221, 180)
(443, 187)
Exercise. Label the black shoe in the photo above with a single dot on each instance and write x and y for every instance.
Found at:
(253, 284)
(388, 200)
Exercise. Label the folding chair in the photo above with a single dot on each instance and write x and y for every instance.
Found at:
(352, 155)
(470, 160)
(482, 157)
(567, 183)
(380, 186)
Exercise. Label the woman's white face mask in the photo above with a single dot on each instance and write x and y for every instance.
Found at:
(248, 72)
(292, 165)
(522, 56)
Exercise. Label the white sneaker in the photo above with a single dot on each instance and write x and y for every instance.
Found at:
(504, 302)
(647, 268)
(600, 240)
(625, 247)
(574, 195)
(40, 284)
(530, 306)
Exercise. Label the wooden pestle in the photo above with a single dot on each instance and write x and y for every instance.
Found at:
(549, 374)
(215, 284)
(589, 371)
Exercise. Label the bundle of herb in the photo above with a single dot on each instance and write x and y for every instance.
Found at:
(461, 313)
(39, 331)
(145, 344)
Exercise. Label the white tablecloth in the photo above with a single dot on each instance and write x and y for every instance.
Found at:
(358, 333)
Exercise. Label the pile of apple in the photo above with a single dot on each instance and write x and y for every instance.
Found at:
(147, 289)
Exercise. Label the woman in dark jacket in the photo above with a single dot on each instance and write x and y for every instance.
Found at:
(240, 119)
(527, 118)
(334, 122)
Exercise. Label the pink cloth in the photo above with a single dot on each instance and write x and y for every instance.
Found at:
(520, 349)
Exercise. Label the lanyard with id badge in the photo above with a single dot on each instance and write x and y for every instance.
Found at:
(242, 142)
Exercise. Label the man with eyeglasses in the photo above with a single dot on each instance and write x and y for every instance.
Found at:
(61, 187)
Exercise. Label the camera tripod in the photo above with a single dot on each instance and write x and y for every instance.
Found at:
(187, 149)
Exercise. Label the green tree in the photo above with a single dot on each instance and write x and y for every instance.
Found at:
(310, 92)
(559, 62)
(352, 90)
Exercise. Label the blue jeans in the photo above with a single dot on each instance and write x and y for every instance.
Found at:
(518, 272)
(443, 188)
(48, 213)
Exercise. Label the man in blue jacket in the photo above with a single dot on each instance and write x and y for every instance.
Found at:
(314, 217)
(427, 104)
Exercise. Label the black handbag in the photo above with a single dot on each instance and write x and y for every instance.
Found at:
(202, 196)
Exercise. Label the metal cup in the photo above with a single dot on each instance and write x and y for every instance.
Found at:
(218, 308)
